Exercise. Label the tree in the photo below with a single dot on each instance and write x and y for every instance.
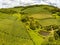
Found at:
(56, 36)
(48, 28)
(58, 13)
(37, 24)
(32, 25)
(58, 32)
(55, 27)
(25, 18)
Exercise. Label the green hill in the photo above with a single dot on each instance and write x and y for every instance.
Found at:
(44, 13)
(12, 31)
(39, 9)
(20, 25)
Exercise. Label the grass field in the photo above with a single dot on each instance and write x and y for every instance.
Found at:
(45, 22)
(36, 38)
(14, 32)
(41, 16)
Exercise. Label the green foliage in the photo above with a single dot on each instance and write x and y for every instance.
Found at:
(24, 18)
(55, 10)
(35, 25)
(48, 28)
(58, 32)
(58, 13)
(32, 25)
(50, 41)
(54, 27)
(56, 36)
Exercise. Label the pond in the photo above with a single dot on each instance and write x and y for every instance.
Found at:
(43, 33)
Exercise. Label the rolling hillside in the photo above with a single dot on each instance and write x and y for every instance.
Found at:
(20, 25)
(12, 31)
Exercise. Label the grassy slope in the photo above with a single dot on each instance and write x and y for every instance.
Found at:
(49, 22)
(36, 38)
(38, 9)
(41, 16)
(43, 13)
(13, 32)
(45, 17)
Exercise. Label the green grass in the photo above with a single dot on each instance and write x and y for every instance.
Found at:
(45, 22)
(12, 31)
(35, 37)
(39, 9)
(35, 10)
(10, 10)
(41, 16)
